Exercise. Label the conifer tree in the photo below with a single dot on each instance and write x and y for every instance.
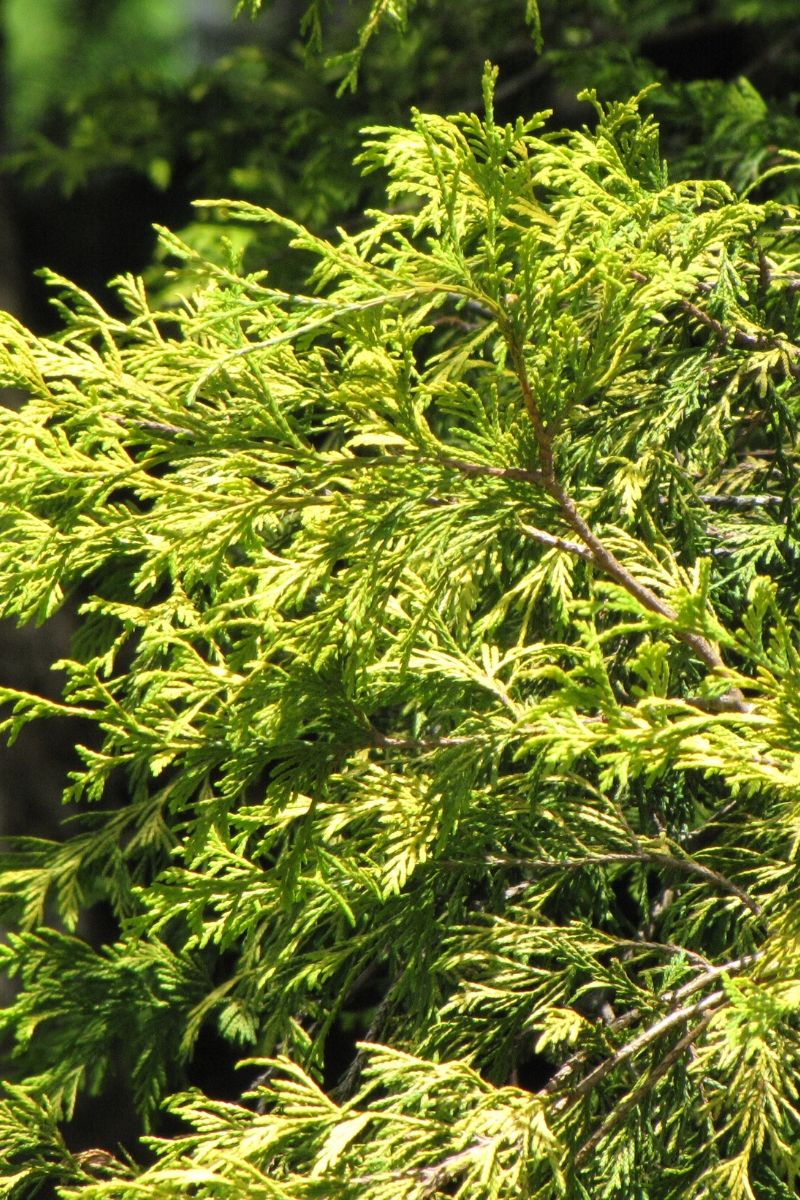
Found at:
(439, 625)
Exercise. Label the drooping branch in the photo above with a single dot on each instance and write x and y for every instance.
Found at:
(552, 541)
(470, 468)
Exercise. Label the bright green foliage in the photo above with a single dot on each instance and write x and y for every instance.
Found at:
(440, 622)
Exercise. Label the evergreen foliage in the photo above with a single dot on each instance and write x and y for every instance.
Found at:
(439, 623)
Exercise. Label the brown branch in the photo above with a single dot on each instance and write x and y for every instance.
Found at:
(155, 426)
(557, 543)
(708, 975)
(643, 1039)
(601, 556)
(458, 322)
(578, 1059)
(610, 564)
(470, 468)
(630, 1101)
(685, 865)
(434, 1178)
(732, 335)
(644, 943)
(690, 867)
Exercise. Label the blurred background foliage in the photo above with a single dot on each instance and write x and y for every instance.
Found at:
(50, 41)
(119, 112)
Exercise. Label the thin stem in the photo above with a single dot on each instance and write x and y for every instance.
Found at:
(699, 837)
(558, 543)
(731, 334)
(288, 335)
(643, 1039)
(630, 1101)
(470, 468)
(685, 865)
(708, 975)
(720, 500)
(601, 556)
(711, 973)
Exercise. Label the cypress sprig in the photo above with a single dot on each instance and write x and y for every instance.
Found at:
(440, 620)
